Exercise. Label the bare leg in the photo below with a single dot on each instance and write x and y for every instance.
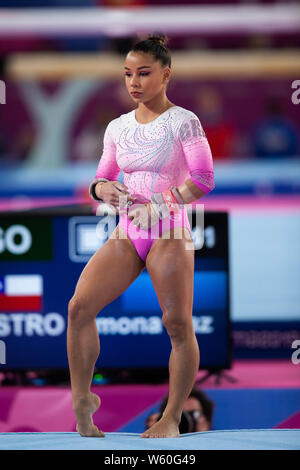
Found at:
(174, 287)
(83, 347)
(183, 368)
(106, 276)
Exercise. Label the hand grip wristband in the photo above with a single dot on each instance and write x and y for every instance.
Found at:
(92, 188)
(166, 202)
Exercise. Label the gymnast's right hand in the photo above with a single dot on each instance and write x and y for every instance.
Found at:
(115, 194)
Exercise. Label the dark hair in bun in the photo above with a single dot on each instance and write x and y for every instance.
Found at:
(155, 44)
(158, 37)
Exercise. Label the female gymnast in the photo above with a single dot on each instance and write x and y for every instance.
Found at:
(167, 164)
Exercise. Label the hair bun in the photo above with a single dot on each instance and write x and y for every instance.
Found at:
(158, 37)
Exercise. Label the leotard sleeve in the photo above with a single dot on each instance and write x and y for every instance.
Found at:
(108, 167)
(197, 153)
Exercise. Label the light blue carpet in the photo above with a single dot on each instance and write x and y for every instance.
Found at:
(244, 439)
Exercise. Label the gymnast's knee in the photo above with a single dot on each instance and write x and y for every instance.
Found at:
(79, 312)
(177, 328)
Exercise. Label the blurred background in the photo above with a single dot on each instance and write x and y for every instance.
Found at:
(236, 64)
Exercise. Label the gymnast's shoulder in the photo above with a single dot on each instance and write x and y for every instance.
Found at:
(182, 114)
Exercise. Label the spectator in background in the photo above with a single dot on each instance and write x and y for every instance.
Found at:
(25, 141)
(275, 136)
(87, 145)
(219, 132)
(197, 413)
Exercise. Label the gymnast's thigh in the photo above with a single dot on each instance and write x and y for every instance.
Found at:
(109, 272)
(170, 264)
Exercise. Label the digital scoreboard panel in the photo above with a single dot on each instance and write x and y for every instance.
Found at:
(41, 258)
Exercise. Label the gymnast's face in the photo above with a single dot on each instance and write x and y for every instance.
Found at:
(145, 77)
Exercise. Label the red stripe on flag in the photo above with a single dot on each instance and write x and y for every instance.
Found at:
(20, 303)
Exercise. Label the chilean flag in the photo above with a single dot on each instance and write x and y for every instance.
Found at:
(21, 293)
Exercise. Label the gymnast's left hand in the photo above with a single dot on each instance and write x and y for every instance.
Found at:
(143, 216)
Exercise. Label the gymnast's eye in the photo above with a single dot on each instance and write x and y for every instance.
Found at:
(142, 74)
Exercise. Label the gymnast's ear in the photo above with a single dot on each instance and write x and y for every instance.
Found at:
(167, 74)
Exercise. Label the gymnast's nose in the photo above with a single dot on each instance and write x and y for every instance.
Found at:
(134, 82)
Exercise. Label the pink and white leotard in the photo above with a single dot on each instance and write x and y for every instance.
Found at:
(154, 157)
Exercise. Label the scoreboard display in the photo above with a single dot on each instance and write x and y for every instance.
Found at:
(41, 258)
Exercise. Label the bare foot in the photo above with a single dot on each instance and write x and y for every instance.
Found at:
(165, 427)
(84, 408)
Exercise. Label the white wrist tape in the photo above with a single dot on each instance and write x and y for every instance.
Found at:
(166, 202)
